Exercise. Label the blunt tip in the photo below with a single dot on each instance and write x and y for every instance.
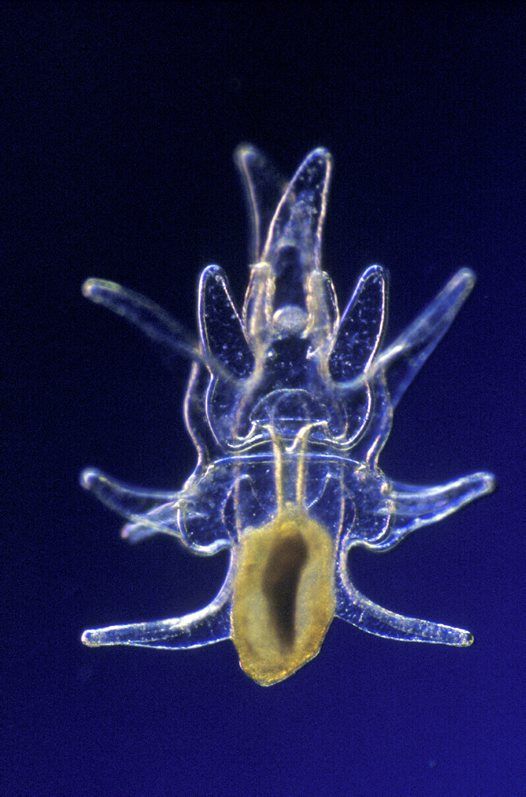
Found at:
(321, 152)
(89, 638)
(489, 482)
(468, 276)
(98, 289)
(246, 151)
(88, 287)
(88, 477)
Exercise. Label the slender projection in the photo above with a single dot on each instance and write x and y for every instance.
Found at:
(289, 406)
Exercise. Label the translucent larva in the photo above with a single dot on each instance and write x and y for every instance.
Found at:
(289, 406)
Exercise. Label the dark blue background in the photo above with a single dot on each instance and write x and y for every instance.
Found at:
(120, 123)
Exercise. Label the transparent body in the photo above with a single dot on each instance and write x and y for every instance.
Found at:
(289, 406)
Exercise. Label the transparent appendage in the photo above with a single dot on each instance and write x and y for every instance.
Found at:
(407, 508)
(152, 320)
(402, 360)
(130, 502)
(298, 220)
(264, 187)
(376, 433)
(414, 507)
(204, 627)
(222, 334)
(361, 612)
(361, 327)
(142, 312)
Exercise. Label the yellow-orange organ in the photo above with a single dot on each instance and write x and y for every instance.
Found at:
(283, 595)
